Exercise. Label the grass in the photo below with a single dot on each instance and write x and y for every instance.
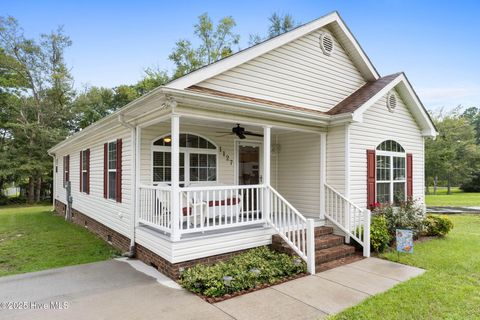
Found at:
(449, 289)
(457, 198)
(33, 239)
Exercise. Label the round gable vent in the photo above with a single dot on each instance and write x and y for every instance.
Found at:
(392, 101)
(327, 44)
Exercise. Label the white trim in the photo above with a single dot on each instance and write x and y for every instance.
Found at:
(391, 181)
(248, 54)
(323, 173)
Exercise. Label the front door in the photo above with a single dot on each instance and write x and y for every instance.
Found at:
(248, 163)
(249, 172)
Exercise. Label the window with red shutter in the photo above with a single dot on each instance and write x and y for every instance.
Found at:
(66, 170)
(390, 173)
(84, 171)
(371, 178)
(112, 184)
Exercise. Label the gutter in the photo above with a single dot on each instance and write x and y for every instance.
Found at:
(133, 134)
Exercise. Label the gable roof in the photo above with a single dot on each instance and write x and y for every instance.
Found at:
(362, 95)
(332, 20)
(362, 99)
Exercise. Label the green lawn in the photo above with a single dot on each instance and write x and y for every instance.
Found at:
(450, 288)
(32, 239)
(457, 198)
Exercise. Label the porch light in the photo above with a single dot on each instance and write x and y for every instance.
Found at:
(167, 139)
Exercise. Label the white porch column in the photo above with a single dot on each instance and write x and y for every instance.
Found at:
(323, 172)
(175, 194)
(266, 171)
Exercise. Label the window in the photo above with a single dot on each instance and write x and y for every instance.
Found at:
(66, 170)
(85, 171)
(198, 159)
(391, 173)
(112, 170)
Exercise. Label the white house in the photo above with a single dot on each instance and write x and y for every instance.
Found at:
(292, 134)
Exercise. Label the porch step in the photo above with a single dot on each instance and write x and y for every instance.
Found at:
(333, 253)
(357, 256)
(321, 242)
(330, 249)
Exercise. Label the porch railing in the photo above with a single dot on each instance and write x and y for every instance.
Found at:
(220, 207)
(351, 219)
(155, 207)
(297, 231)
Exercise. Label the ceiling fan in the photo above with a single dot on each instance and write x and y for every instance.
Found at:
(240, 132)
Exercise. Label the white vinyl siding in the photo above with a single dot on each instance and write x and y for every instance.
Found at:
(297, 73)
(336, 158)
(378, 125)
(298, 173)
(108, 212)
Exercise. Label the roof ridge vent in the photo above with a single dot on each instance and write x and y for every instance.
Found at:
(327, 44)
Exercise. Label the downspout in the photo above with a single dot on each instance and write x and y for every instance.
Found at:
(133, 135)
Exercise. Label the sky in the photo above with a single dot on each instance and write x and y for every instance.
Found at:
(435, 42)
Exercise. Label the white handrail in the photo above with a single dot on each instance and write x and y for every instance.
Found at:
(348, 217)
(297, 231)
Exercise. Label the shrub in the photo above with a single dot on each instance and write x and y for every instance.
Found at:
(473, 185)
(408, 215)
(437, 225)
(379, 235)
(256, 266)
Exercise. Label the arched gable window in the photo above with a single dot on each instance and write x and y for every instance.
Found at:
(198, 159)
(391, 172)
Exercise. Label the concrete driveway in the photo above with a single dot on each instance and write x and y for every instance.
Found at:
(120, 290)
(102, 290)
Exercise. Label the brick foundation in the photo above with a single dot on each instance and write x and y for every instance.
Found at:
(122, 243)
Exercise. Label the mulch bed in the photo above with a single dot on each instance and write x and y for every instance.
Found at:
(258, 287)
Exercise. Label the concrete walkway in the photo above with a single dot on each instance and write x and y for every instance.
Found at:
(316, 297)
(118, 290)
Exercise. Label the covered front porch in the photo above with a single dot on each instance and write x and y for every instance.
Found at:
(207, 169)
(220, 175)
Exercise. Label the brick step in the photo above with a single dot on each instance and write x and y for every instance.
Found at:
(321, 242)
(338, 262)
(333, 253)
(321, 231)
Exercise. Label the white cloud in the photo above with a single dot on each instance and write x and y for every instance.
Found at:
(450, 96)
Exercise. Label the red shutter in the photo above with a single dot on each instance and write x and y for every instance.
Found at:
(64, 170)
(105, 170)
(371, 168)
(118, 191)
(80, 184)
(409, 176)
(88, 172)
(67, 174)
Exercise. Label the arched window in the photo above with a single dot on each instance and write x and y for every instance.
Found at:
(198, 159)
(391, 172)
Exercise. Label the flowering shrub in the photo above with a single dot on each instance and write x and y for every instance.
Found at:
(242, 272)
(407, 215)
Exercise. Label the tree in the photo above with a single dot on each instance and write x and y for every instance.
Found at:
(39, 110)
(472, 114)
(215, 43)
(278, 24)
(454, 154)
(95, 103)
